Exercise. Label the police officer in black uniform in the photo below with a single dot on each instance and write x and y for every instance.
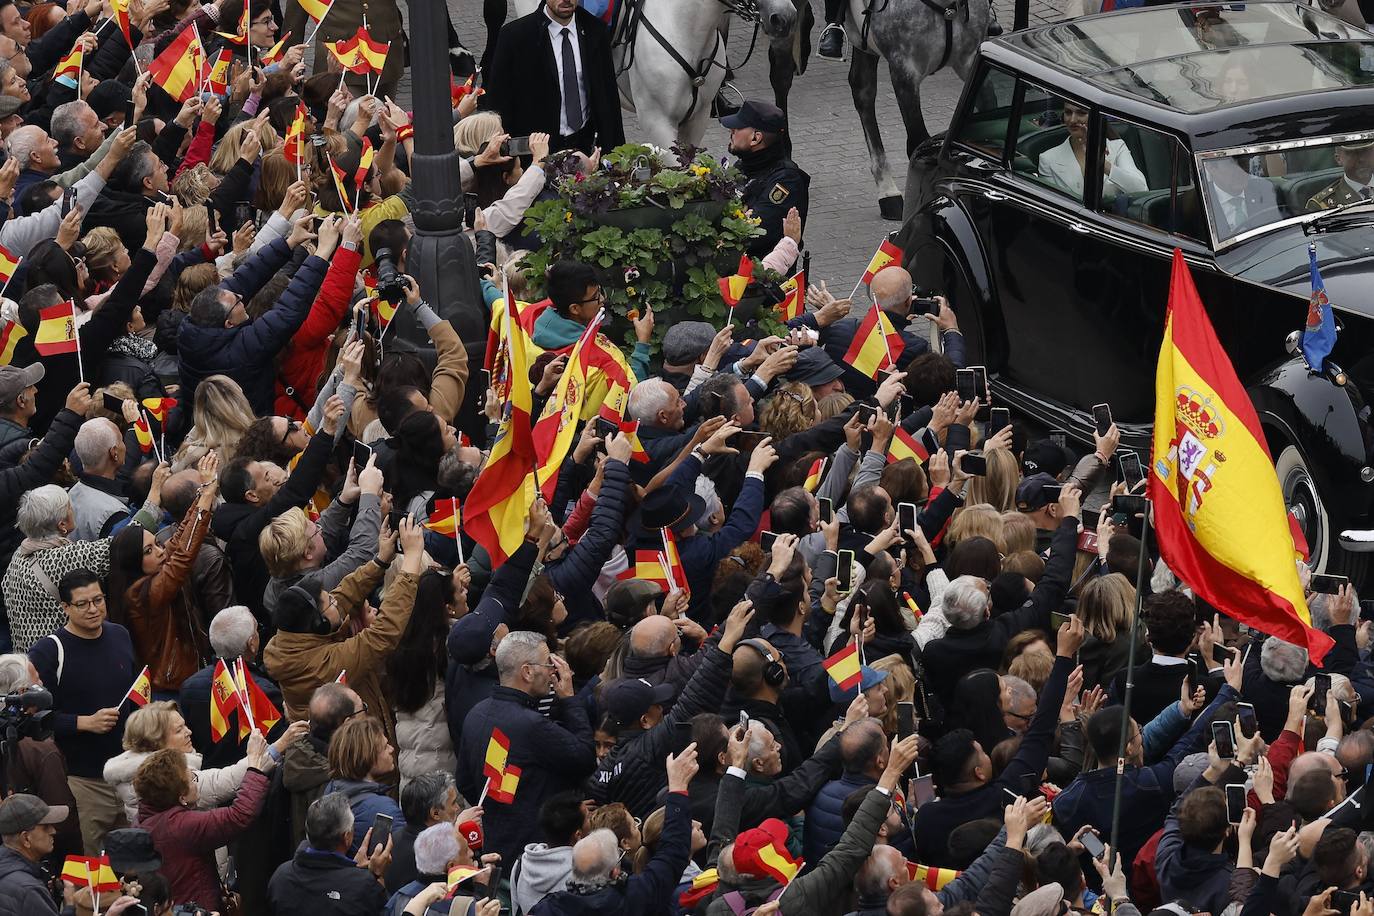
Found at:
(758, 136)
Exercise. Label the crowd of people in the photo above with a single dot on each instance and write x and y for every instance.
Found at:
(791, 636)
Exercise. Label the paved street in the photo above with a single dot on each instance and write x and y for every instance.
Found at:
(844, 225)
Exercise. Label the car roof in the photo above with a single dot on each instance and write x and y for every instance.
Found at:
(1217, 72)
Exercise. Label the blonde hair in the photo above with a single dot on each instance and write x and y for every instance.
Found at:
(1105, 606)
(1018, 532)
(284, 541)
(193, 186)
(191, 281)
(834, 404)
(146, 730)
(195, 228)
(1033, 667)
(231, 144)
(353, 749)
(900, 676)
(976, 521)
(790, 410)
(997, 487)
(473, 132)
(103, 245)
(222, 415)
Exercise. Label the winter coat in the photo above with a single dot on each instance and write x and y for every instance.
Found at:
(422, 739)
(15, 481)
(23, 886)
(648, 893)
(247, 353)
(167, 635)
(300, 662)
(195, 707)
(123, 211)
(187, 839)
(541, 870)
(1200, 876)
(825, 818)
(302, 885)
(304, 772)
(303, 359)
(574, 573)
(217, 786)
(367, 799)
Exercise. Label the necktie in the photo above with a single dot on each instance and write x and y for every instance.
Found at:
(1366, 193)
(572, 98)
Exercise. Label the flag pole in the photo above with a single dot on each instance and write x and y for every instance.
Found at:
(457, 529)
(483, 797)
(1141, 565)
(146, 422)
(90, 886)
(76, 332)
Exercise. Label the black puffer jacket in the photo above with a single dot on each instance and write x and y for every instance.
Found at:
(22, 891)
(574, 573)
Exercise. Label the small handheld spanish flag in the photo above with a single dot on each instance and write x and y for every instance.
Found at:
(905, 445)
(445, 519)
(68, 70)
(158, 408)
(144, 434)
(224, 699)
(503, 790)
(121, 15)
(141, 691)
(762, 852)
(732, 287)
(885, 256)
(876, 344)
(9, 263)
(92, 871)
(498, 754)
(57, 330)
(274, 53)
(815, 476)
(316, 9)
(364, 163)
(177, 68)
(932, 877)
(293, 147)
(373, 52)
(10, 335)
(844, 667)
(911, 604)
(460, 873)
(793, 302)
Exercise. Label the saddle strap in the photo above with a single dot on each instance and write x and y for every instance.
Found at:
(697, 75)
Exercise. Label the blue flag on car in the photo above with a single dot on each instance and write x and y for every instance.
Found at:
(1319, 335)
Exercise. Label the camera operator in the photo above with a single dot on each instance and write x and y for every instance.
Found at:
(35, 765)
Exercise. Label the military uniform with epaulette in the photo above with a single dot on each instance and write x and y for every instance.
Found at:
(1355, 159)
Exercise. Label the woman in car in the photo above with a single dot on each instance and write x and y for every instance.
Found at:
(1063, 164)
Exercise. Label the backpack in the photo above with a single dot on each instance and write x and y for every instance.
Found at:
(735, 901)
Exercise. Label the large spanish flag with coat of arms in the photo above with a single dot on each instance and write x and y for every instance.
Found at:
(1219, 512)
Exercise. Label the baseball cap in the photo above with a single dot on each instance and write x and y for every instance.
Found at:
(814, 367)
(1044, 457)
(628, 699)
(750, 843)
(14, 379)
(131, 850)
(759, 115)
(686, 342)
(1030, 492)
(9, 105)
(25, 812)
(871, 677)
(626, 600)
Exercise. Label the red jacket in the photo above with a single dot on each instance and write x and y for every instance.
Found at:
(303, 361)
(187, 839)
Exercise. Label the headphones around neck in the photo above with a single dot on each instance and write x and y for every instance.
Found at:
(774, 674)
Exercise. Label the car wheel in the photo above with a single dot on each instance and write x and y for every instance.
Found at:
(959, 291)
(1301, 497)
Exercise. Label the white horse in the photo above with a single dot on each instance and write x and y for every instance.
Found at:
(670, 55)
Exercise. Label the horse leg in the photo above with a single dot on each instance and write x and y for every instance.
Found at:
(863, 85)
(906, 85)
(494, 15)
(781, 72)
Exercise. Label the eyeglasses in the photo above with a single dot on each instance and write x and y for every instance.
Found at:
(88, 603)
(359, 712)
(1017, 715)
(599, 297)
(291, 427)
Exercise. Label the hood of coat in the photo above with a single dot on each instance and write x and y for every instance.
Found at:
(120, 770)
(303, 766)
(544, 869)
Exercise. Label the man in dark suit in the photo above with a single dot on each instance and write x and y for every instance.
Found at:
(1240, 200)
(553, 73)
(1171, 624)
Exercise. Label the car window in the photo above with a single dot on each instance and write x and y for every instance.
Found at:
(984, 126)
(1147, 178)
(1050, 133)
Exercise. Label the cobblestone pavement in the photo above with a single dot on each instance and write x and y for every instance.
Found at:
(844, 226)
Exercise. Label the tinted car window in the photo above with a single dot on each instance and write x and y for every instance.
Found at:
(984, 126)
(1148, 179)
(1050, 131)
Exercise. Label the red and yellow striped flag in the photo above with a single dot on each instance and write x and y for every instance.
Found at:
(216, 77)
(158, 408)
(345, 51)
(144, 434)
(1219, 512)
(793, 303)
(815, 475)
(446, 518)
(224, 700)
(905, 445)
(316, 9)
(886, 255)
(57, 330)
(121, 16)
(876, 344)
(648, 565)
(498, 754)
(68, 70)
(502, 788)
(141, 691)
(364, 162)
(371, 51)
(778, 862)
(293, 147)
(274, 53)
(12, 333)
(557, 425)
(732, 287)
(932, 877)
(177, 68)
(81, 871)
(8, 265)
(844, 668)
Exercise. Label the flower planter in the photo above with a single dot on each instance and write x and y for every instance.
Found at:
(661, 218)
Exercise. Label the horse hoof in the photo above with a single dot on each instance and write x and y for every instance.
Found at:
(890, 207)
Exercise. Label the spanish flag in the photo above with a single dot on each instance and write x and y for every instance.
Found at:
(501, 498)
(372, 52)
(177, 68)
(445, 519)
(224, 699)
(673, 562)
(793, 303)
(844, 668)
(10, 335)
(557, 426)
(1219, 513)
(274, 53)
(905, 445)
(502, 789)
(293, 147)
(460, 873)
(316, 9)
(121, 16)
(144, 434)
(217, 75)
(141, 691)
(912, 605)
(364, 162)
(8, 265)
(886, 255)
(932, 877)
(245, 22)
(778, 862)
(815, 476)
(732, 287)
(83, 871)
(384, 309)
(876, 344)
(498, 754)
(57, 330)
(345, 51)
(68, 70)
(158, 408)
(265, 712)
(458, 90)
(649, 566)
(703, 886)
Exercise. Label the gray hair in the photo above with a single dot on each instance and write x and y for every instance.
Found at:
(520, 647)
(24, 141)
(231, 631)
(94, 440)
(423, 794)
(593, 858)
(435, 848)
(66, 122)
(725, 866)
(1019, 688)
(882, 863)
(966, 602)
(42, 510)
(328, 821)
(1319, 606)
(648, 398)
(1282, 661)
(758, 735)
(14, 673)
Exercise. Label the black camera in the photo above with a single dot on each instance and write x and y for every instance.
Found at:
(390, 286)
(27, 714)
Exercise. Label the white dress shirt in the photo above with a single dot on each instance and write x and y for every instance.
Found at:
(1358, 189)
(556, 36)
